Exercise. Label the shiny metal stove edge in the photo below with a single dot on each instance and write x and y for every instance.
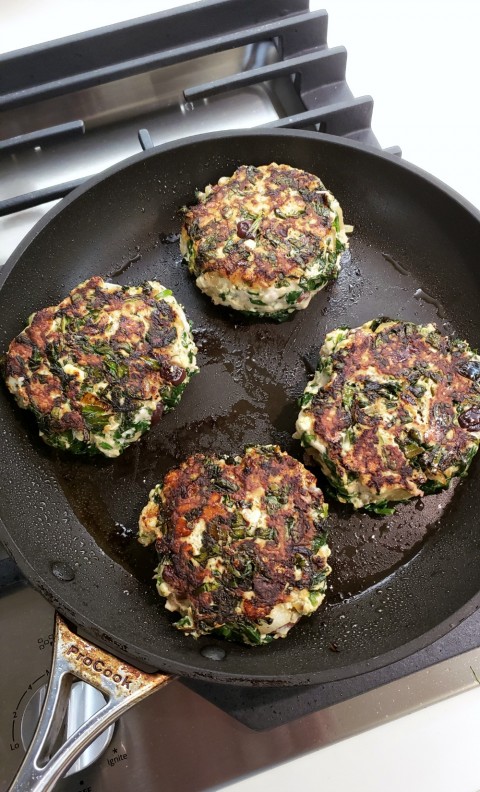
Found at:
(176, 740)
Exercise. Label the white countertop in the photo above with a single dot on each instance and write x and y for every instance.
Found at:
(420, 61)
(432, 750)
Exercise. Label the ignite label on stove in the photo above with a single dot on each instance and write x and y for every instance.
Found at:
(118, 757)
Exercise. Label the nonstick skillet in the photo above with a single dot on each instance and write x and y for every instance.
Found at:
(400, 581)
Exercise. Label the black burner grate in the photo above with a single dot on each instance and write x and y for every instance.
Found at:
(89, 59)
(157, 40)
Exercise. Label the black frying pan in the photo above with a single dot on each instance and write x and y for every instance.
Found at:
(399, 582)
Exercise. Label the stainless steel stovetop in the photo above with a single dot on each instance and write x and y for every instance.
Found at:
(166, 741)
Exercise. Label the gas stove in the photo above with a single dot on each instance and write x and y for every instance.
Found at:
(213, 65)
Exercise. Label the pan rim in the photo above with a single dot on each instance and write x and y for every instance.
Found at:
(335, 140)
(241, 679)
(220, 676)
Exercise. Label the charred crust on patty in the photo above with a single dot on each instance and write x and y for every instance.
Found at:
(241, 543)
(385, 414)
(95, 368)
(264, 240)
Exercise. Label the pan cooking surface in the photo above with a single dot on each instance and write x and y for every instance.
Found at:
(395, 577)
(251, 376)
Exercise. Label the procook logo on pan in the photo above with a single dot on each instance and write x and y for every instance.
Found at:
(100, 667)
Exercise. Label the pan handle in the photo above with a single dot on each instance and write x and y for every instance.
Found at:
(121, 684)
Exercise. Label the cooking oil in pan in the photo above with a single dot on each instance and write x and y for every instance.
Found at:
(421, 294)
(252, 373)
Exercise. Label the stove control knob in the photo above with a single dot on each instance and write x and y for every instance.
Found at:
(84, 702)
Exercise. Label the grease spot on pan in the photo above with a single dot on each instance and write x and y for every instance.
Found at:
(421, 294)
(396, 264)
(213, 652)
(63, 571)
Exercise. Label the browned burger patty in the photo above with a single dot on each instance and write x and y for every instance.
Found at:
(96, 368)
(241, 543)
(393, 411)
(264, 240)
